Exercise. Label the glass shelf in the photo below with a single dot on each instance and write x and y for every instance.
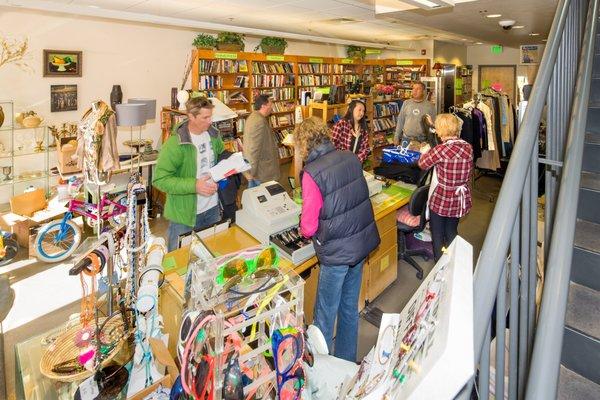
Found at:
(30, 153)
(20, 180)
(18, 128)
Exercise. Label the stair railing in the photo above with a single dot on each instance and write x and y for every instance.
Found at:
(505, 278)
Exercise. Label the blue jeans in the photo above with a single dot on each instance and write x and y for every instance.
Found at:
(203, 220)
(337, 295)
(253, 183)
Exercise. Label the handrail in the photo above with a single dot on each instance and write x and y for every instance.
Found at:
(497, 240)
(545, 362)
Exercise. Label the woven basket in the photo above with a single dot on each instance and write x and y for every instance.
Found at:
(64, 349)
(229, 47)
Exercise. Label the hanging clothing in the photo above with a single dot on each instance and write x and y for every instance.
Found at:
(467, 132)
(487, 112)
(480, 128)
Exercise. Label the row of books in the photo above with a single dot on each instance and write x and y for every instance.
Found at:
(385, 109)
(402, 76)
(341, 80)
(277, 94)
(272, 80)
(343, 69)
(314, 68)
(384, 124)
(281, 106)
(285, 152)
(228, 97)
(210, 82)
(315, 80)
(241, 81)
(222, 66)
(281, 134)
(236, 144)
(281, 120)
(272, 68)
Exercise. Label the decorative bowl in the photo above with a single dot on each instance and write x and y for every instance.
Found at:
(33, 121)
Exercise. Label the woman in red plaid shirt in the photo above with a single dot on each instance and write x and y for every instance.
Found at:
(450, 191)
(350, 133)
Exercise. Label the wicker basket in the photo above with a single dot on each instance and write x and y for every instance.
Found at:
(229, 47)
(272, 49)
(64, 349)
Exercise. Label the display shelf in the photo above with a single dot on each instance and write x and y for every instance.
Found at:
(17, 154)
(19, 128)
(21, 180)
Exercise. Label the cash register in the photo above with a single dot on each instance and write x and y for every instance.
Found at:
(271, 216)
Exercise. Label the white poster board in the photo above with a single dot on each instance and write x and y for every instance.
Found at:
(433, 352)
(530, 54)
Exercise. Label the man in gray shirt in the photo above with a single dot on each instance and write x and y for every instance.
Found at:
(413, 122)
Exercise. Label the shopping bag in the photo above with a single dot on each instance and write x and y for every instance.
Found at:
(400, 155)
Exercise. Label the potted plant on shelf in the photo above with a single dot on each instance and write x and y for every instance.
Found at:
(356, 52)
(204, 41)
(230, 41)
(383, 91)
(272, 45)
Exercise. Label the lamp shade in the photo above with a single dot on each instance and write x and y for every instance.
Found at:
(150, 106)
(437, 65)
(131, 114)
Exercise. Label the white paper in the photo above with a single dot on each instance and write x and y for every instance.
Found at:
(235, 164)
(88, 389)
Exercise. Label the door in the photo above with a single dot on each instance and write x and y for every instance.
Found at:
(505, 75)
(449, 75)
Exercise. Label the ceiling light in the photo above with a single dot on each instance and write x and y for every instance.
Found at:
(534, 34)
(464, 40)
(478, 43)
(494, 15)
(430, 4)
(518, 26)
(93, 6)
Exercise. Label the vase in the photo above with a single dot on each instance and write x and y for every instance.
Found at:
(1, 116)
(182, 97)
(116, 96)
(174, 102)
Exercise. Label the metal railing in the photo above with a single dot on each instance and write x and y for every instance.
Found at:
(505, 280)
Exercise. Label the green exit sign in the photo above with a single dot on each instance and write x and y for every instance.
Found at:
(497, 49)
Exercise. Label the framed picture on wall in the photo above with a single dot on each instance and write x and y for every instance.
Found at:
(63, 98)
(62, 63)
(530, 54)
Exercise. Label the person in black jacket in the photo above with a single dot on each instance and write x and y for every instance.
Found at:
(337, 214)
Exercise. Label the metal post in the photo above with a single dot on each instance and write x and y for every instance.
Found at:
(524, 297)
(533, 225)
(514, 313)
(484, 366)
(500, 333)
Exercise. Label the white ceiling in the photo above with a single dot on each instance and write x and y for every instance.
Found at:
(462, 23)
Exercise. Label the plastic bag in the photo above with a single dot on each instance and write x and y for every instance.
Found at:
(400, 155)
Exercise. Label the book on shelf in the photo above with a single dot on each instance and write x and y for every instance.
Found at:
(227, 96)
(210, 82)
(281, 134)
(222, 66)
(315, 80)
(277, 94)
(304, 68)
(386, 109)
(272, 80)
(235, 144)
(281, 106)
(241, 81)
(383, 124)
(285, 152)
(272, 68)
(281, 120)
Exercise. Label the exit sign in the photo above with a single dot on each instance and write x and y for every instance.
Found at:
(497, 49)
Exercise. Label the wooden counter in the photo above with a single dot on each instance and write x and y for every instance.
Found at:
(379, 272)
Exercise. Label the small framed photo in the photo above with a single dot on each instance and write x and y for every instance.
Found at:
(531, 54)
(63, 98)
(62, 63)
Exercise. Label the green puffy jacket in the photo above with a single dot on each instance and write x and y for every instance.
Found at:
(175, 173)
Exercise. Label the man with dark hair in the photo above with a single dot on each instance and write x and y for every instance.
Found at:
(182, 172)
(260, 146)
(415, 118)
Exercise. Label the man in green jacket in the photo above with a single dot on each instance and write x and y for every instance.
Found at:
(182, 172)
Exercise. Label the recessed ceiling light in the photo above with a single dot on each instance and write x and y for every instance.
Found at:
(534, 34)
(464, 40)
(93, 6)
(478, 43)
(494, 15)
(518, 27)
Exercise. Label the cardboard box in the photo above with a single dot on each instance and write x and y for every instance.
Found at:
(67, 164)
(23, 227)
(28, 203)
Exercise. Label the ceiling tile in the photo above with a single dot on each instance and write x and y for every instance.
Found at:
(107, 4)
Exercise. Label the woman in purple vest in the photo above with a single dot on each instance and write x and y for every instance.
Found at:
(338, 216)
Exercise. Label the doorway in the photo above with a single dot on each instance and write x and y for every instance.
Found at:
(505, 75)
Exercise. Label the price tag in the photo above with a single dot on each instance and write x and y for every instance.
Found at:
(403, 62)
(226, 56)
(275, 57)
(315, 60)
(88, 389)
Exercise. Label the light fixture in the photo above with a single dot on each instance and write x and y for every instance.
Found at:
(518, 26)
(131, 114)
(463, 39)
(430, 4)
(150, 105)
(478, 43)
(494, 15)
(534, 34)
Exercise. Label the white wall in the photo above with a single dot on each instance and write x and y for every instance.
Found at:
(482, 55)
(449, 53)
(145, 60)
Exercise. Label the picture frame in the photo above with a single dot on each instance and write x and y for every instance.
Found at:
(530, 54)
(65, 63)
(63, 98)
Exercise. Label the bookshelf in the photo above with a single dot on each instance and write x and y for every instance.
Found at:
(401, 73)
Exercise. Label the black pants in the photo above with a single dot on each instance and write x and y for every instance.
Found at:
(443, 232)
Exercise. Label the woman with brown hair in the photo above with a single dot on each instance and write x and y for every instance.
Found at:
(351, 132)
(337, 215)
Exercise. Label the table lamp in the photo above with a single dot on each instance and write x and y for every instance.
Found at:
(132, 114)
(150, 106)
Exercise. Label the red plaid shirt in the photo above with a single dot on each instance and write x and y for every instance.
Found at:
(342, 138)
(453, 161)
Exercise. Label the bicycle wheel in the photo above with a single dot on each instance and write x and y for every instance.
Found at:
(11, 247)
(119, 219)
(55, 243)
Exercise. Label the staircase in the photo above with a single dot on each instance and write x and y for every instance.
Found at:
(580, 369)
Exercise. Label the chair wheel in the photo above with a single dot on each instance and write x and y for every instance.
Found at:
(419, 275)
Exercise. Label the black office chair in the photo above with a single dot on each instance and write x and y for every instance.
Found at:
(416, 206)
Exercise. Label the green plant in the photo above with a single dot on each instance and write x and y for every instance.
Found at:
(231, 38)
(356, 52)
(205, 41)
(272, 42)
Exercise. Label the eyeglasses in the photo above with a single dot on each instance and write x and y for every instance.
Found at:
(288, 347)
(197, 365)
(239, 265)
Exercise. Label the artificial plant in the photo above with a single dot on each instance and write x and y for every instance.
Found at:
(204, 41)
(272, 44)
